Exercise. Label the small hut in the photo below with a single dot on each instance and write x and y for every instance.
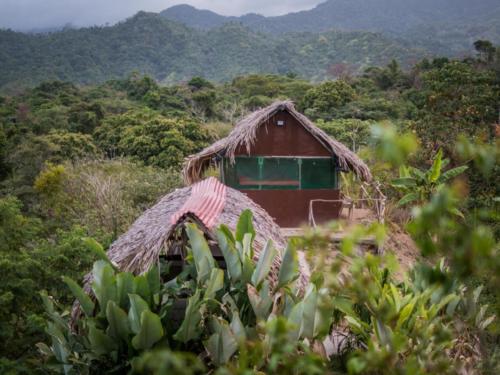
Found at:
(282, 161)
(159, 233)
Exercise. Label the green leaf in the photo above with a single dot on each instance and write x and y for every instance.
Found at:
(233, 263)
(150, 333)
(247, 245)
(189, 329)
(98, 250)
(435, 171)
(124, 286)
(104, 284)
(418, 173)
(477, 293)
(100, 343)
(296, 318)
(215, 283)
(224, 229)
(404, 182)
(486, 322)
(154, 282)
(405, 314)
(141, 286)
(289, 269)
(261, 301)
(222, 344)
(404, 172)
(309, 312)
(203, 259)
(408, 198)
(452, 173)
(356, 365)
(137, 307)
(237, 327)
(247, 270)
(245, 225)
(59, 343)
(82, 297)
(343, 304)
(118, 322)
(264, 264)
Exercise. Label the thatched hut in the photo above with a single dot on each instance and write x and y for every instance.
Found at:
(282, 161)
(159, 232)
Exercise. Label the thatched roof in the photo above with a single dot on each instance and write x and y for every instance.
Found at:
(245, 133)
(139, 249)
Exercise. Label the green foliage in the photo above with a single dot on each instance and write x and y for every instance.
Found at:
(420, 186)
(456, 99)
(27, 265)
(103, 196)
(164, 362)
(151, 138)
(175, 53)
(221, 312)
(53, 136)
(322, 101)
(353, 133)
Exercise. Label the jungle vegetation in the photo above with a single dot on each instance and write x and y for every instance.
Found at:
(83, 161)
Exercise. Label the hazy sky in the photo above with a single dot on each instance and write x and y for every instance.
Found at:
(31, 14)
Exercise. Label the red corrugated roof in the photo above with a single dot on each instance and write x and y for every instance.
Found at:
(207, 201)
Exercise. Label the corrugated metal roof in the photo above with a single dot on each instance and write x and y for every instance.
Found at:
(206, 201)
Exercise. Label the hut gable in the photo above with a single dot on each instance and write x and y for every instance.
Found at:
(251, 134)
(283, 135)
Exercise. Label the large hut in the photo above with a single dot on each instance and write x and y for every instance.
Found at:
(159, 232)
(282, 161)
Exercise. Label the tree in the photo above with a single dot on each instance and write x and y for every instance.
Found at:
(486, 50)
(151, 138)
(28, 263)
(455, 99)
(323, 100)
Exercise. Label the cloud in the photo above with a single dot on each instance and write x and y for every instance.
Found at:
(33, 14)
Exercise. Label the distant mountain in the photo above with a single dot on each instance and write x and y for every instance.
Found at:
(458, 21)
(172, 52)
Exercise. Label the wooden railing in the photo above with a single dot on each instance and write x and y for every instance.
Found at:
(378, 203)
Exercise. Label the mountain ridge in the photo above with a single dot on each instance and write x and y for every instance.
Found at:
(406, 19)
(172, 52)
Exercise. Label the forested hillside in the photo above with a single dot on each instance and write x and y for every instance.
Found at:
(84, 161)
(171, 52)
(442, 26)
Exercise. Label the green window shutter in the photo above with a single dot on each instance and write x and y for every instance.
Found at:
(318, 174)
(248, 172)
(280, 173)
(271, 173)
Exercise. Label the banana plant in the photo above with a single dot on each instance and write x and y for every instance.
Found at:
(419, 185)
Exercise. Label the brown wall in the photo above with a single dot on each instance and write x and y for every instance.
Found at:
(288, 140)
(290, 208)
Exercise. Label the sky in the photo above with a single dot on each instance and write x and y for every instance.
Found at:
(38, 14)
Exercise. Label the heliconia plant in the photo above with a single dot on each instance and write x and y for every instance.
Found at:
(126, 315)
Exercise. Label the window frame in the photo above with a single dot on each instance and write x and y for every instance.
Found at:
(229, 173)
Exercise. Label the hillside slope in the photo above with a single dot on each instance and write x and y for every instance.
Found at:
(172, 52)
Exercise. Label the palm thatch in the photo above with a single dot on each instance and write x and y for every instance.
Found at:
(153, 234)
(245, 134)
